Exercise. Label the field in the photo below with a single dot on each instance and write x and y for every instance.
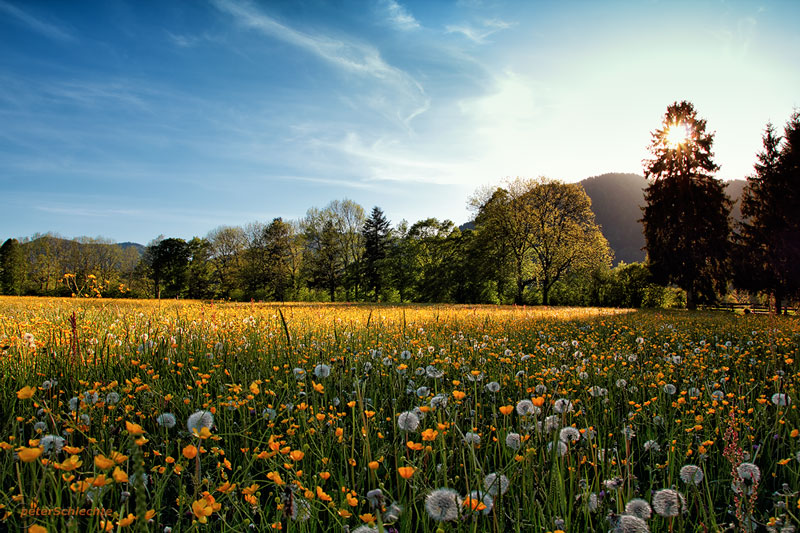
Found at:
(185, 416)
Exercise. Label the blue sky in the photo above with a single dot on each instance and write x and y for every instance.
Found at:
(130, 119)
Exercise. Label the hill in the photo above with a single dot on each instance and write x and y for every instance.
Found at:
(617, 200)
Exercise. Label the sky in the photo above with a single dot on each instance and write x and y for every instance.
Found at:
(131, 119)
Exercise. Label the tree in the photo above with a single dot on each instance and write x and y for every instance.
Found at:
(686, 216)
(227, 246)
(12, 267)
(169, 263)
(376, 233)
(768, 242)
(323, 260)
(545, 227)
(200, 273)
(434, 247)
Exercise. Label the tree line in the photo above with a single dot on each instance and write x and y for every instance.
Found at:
(532, 241)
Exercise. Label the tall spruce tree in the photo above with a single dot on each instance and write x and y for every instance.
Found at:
(376, 241)
(768, 243)
(686, 216)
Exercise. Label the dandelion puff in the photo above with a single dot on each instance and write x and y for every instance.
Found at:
(628, 524)
(749, 473)
(199, 420)
(652, 445)
(393, 512)
(514, 441)
(781, 400)
(407, 421)
(525, 407)
(562, 447)
(39, 426)
(365, 529)
(74, 403)
(322, 371)
(443, 505)
(111, 398)
(493, 386)
(495, 484)
(552, 423)
(594, 502)
(562, 405)
(472, 439)
(670, 389)
(569, 434)
(51, 443)
(691, 474)
(668, 502)
(166, 420)
(639, 508)
(375, 498)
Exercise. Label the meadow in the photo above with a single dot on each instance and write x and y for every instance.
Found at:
(188, 416)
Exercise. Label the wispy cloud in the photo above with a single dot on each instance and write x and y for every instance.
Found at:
(398, 15)
(351, 56)
(48, 30)
(481, 33)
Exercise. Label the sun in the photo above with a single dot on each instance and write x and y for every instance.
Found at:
(677, 134)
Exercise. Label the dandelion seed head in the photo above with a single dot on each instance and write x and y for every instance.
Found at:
(408, 421)
(51, 443)
(669, 502)
(639, 508)
(781, 400)
(495, 484)
(322, 371)
(691, 474)
(199, 420)
(442, 505)
(562, 405)
(525, 407)
(166, 420)
(569, 434)
(514, 440)
(493, 386)
(628, 524)
(472, 438)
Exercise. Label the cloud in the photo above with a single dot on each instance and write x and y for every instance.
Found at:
(48, 30)
(480, 34)
(350, 56)
(398, 15)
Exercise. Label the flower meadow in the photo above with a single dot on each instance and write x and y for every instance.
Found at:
(188, 416)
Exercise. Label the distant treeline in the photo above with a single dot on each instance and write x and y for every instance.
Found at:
(341, 253)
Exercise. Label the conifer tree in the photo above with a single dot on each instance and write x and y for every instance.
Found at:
(686, 216)
(376, 241)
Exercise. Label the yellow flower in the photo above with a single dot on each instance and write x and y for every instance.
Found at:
(27, 455)
(37, 529)
(297, 455)
(128, 520)
(69, 464)
(134, 429)
(190, 451)
(429, 434)
(373, 465)
(506, 409)
(150, 514)
(459, 395)
(406, 471)
(26, 392)
(102, 462)
(226, 487)
(119, 475)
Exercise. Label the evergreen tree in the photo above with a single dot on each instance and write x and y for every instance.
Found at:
(768, 251)
(686, 216)
(12, 267)
(376, 240)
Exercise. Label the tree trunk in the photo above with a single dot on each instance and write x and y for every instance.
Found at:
(546, 293)
(690, 299)
(520, 284)
(778, 295)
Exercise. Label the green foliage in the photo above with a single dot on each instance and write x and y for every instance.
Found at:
(12, 268)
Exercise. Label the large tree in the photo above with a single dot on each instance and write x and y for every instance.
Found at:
(376, 234)
(686, 216)
(768, 251)
(545, 227)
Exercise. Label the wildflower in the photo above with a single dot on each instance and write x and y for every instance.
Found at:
(525, 408)
(691, 474)
(365, 529)
(495, 484)
(393, 512)
(102, 462)
(190, 451)
(26, 392)
(406, 471)
(670, 389)
(199, 420)
(429, 434)
(552, 423)
(668, 502)
(639, 508)
(134, 429)
(166, 420)
(493, 387)
(569, 434)
(375, 498)
(119, 475)
(111, 398)
(28, 455)
(514, 441)
(443, 505)
(652, 445)
(506, 409)
(749, 473)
